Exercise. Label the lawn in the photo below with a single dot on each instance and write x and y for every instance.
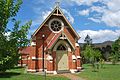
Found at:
(109, 72)
(18, 74)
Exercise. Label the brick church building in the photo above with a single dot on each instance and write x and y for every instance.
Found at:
(58, 41)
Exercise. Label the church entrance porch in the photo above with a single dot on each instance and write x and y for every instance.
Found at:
(61, 49)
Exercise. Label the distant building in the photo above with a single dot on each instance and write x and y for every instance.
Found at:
(57, 39)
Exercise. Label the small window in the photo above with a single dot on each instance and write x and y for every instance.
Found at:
(61, 47)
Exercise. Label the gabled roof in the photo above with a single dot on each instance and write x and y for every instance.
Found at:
(56, 38)
(56, 8)
(53, 40)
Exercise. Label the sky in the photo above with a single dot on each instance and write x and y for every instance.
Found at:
(100, 19)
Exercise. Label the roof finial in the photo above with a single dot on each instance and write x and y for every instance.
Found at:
(57, 3)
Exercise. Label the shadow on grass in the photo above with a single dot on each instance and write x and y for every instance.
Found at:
(18, 67)
(8, 74)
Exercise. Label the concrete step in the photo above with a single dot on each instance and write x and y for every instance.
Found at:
(63, 71)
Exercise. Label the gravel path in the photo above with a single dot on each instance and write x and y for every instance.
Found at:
(72, 76)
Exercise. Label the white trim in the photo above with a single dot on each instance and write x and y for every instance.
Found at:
(49, 57)
(20, 57)
(69, 49)
(50, 61)
(63, 38)
(54, 72)
(39, 69)
(49, 71)
(31, 70)
(76, 44)
(78, 57)
(74, 60)
(73, 70)
(74, 57)
(22, 64)
(33, 44)
(29, 58)
(26, 58)
(34, 58)
(79, 67)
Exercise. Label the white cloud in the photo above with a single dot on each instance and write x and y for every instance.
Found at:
(84, 12)
(37, 21)
(45, 14)
(108, 13)
(95, 20)
(97, 9)
(111, 18)
(111, 15)
(84, 2)
(100, 35)
(41, 15)
(113, 5)
(68, 15)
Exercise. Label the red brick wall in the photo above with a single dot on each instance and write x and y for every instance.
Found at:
(70, 59)
(31, 63)
(77, 53)
(54, 60)
(39, 43)
(70, 36)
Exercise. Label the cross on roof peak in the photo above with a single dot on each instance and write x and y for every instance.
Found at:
(57, 3)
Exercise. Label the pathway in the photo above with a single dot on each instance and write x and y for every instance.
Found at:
(72, 76)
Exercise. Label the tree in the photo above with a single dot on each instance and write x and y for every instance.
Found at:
(115, 51)
(92, 55)
(88, 40)
(10, 44)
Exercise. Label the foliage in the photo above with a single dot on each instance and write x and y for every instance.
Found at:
(8, 9)
(88, 40)
(101, 62)
(92, 55)
(115, 51)
(17, 37)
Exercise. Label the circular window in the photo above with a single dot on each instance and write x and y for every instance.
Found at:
(56, 25)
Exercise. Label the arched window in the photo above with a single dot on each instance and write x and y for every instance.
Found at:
(61, 47)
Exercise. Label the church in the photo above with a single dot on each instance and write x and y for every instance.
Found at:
(54, 46)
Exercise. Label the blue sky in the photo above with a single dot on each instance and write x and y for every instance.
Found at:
(98, 18)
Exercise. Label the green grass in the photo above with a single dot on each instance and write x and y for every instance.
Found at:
(109, 72)
(18, 74)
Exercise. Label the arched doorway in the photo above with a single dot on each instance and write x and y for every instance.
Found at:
(62, 48)
(62, 57)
